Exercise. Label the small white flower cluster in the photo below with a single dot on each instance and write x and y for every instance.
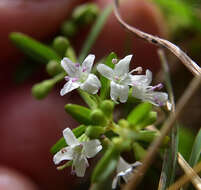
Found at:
(78, 152)
(120, 80)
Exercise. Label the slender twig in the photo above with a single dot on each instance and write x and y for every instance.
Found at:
(168, 125)
(196, 181)
(185, 59)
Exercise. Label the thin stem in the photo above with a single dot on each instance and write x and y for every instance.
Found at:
(169, 124)
(185, 59)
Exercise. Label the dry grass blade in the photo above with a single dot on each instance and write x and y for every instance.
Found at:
(136, 178)
(185, 59)
(170, 156)
(185, 178)
(196, 181)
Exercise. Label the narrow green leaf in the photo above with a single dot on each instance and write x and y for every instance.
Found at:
(95, 32)
(139, 113)
(79, 113)
(196, 150)
(106, 166)
(149, 120)
(62, 143)
(34, 49)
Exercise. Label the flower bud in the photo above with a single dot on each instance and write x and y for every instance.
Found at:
(60, 44)
(69, 28)
(98, 118)
(42, 89)
(94, 132)
(70, 53)
(85, 14)
(53, 68)
(107, 106)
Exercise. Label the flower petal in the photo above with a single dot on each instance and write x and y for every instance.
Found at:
(122, 165)
(114, 91)
(141, 80)
(91, 84)
(123, 93)
(106, 71)
(70, 137)
(80, 164)
(115, 181)
(70, 67)
(122, 67)
(88, 63)
(157, 98)
(69, 86)
(92, 147)
(64, 154)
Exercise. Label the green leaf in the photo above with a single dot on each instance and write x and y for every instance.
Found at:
(139, 151)
(148, 120)
(79, 113)
(34, 49)
(96, 29)
(180, 14)
(61, 143)
(105, 83)
(196, 150)
(139, 113)
(106, 166)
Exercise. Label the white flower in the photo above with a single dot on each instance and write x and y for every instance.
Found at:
(120, 78)
(77, 151)
(124, 171)
(142, 89)
(80, 76)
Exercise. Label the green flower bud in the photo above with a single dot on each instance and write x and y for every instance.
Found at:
(70, 53)
(53, 68)
(69, 28)
(85, 14)
(123, 123)
(42, 89)
(107, 106)
(60, 44)
(94, 132)
(139, 151)
(98, 118)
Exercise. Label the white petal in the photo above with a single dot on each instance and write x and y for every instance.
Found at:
(122, 66)
(123, 96)
(141, 80)
(80, 164)
(114, 182)
(114, 91)
(70, 67)
(91, 85)
(91, 148)
(64, 154)
(88, 63)
(70, 137)
(106, 71)
(122, 165)
(138, 92)
(68, 87)
(149, 77)
(157, 98)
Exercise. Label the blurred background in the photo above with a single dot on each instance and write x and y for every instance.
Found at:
(29, 127)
